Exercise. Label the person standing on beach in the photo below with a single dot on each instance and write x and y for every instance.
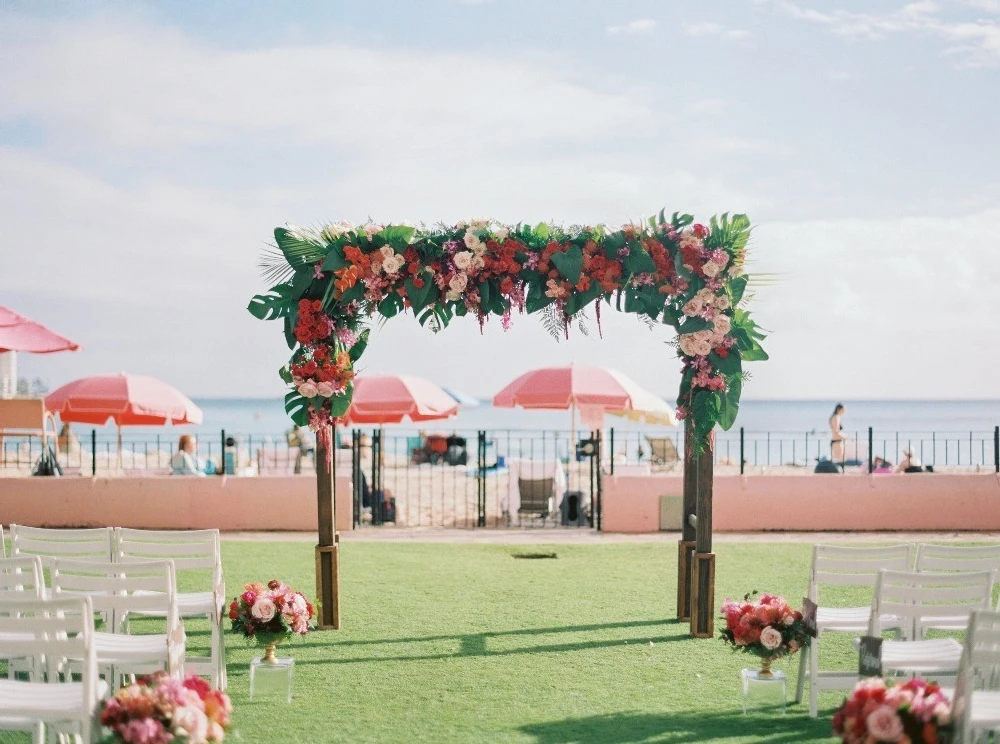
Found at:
(837, 436)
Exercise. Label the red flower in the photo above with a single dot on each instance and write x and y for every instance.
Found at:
(249, 597)
(700, 231)
(273, 584)
(199, 685)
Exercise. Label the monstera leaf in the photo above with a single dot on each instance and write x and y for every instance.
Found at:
(277, 302)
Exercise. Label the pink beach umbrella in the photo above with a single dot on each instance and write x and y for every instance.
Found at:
(127, 400)
(18, 333)
(388, 399)
(593, 390)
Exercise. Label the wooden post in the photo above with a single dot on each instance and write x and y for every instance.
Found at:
(328, 549)
(703, 569)
(686, 545)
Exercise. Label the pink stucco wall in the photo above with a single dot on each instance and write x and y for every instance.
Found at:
(816, 502)
(227, 503)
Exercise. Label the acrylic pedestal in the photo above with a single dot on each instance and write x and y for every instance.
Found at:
(763, 691)
(271, 680)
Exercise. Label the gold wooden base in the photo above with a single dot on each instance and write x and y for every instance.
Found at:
(685, 550)
(328, 585)
(703, 595)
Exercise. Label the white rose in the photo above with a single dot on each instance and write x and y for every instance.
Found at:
(451, 295)
(722, 302)
(463, 259)
(190, 722)
(692, 307)
(387, 252)
(480, 223)
(788, 619)
(478, 261)
(394, 264)
(263, 609)
(472, 240)
(501, 233)
(722, 324)
(461, 224)
(710, 269)
(687, 344)
(770, 638)
(308, 389)
(458, 283)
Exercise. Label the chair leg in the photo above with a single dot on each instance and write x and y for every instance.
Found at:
(814, 677)
(801, 683)
(219, 677)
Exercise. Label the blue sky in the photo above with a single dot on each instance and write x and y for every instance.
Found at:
(148, 150)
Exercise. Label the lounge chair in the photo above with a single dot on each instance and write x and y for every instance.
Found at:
(663, 451)
(537, 497)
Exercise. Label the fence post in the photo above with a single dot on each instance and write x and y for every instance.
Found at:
(222, 454)
(611, 451)
(93, 452)
(996, 448)
(871, 465)
(597, 456)
(481, 478)
(742, 458)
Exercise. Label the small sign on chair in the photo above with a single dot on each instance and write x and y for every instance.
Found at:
(870, 657)
(809, 616)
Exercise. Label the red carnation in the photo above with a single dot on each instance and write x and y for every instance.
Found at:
(700, 230)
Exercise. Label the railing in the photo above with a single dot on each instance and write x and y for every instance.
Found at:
(739, 450)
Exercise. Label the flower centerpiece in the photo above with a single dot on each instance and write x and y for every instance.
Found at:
(911, 711)
(270, 613)
(160, 709)
(767, 628)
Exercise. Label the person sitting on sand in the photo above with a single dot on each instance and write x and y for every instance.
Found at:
(910, 463)
(881, 465)
(184, 461)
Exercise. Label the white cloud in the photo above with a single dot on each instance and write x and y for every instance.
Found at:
(990, 6)
(972, 43)
(644, 26)
(707, 28)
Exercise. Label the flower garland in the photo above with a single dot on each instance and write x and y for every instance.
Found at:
(686, 275)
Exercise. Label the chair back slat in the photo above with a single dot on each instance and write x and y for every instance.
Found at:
(95, 543)
(536, 494)
(855, 566)
(21, 575)
(189, 549)
(52, 630)
(916, 597)
(116, 589)
(940, 558)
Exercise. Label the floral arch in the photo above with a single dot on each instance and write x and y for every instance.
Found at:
(328, 283)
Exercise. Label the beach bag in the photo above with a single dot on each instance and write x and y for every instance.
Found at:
(826, 466)
(47, 464)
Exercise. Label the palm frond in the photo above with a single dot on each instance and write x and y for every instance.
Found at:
(273, 265)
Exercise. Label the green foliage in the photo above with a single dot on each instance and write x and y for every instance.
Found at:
(300, 249)
(731, 402)
(570, 263)
(297, 407)
(277, 302)
(360, 345)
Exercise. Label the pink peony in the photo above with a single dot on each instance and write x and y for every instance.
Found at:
(884, 725)
(263, 609)
(770, 638)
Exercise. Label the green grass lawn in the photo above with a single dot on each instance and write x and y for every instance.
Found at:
(466, 643)
(459, 642)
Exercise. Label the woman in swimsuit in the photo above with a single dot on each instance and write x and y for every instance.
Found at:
(837, 436)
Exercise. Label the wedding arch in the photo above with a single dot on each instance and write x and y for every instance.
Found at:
(329, 282)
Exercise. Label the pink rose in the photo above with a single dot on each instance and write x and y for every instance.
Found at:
(308, 389)
(325, 389)
(190, 721)
(884, 725)
(722, 324)
(463, 260)
(710, 269)
(263, 609)
(458, 283)
(692, 307)
(770, 638)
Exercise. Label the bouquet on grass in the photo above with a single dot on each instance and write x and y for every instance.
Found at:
(270, 613)
(160, 709)
(767, 628)
(912, 711)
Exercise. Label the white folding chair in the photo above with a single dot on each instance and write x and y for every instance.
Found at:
(52, 631)
(923, 600)
(20, 578)
(191, 551)
(3, 545)
(976, 712)
(117, 591)
(836, 565)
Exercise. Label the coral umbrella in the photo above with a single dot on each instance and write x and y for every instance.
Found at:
(388, 399)
(594, 390)
(128, 400)
(18, 333)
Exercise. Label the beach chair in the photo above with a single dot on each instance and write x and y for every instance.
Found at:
(663, 452)
(976, 712)
(537, 498)
(50, 631)
(921, 600)
(191, 551)
(26, 418)
(119, 591)
(835, 565)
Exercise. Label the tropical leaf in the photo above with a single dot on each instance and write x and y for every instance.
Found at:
(340, 403)
(297, 407)
(360, 345)
(569, 263)
(273, 265)
(300, 248)
(276, 303)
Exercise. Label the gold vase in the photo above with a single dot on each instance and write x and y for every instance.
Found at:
(270, 642)
(765, 668)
